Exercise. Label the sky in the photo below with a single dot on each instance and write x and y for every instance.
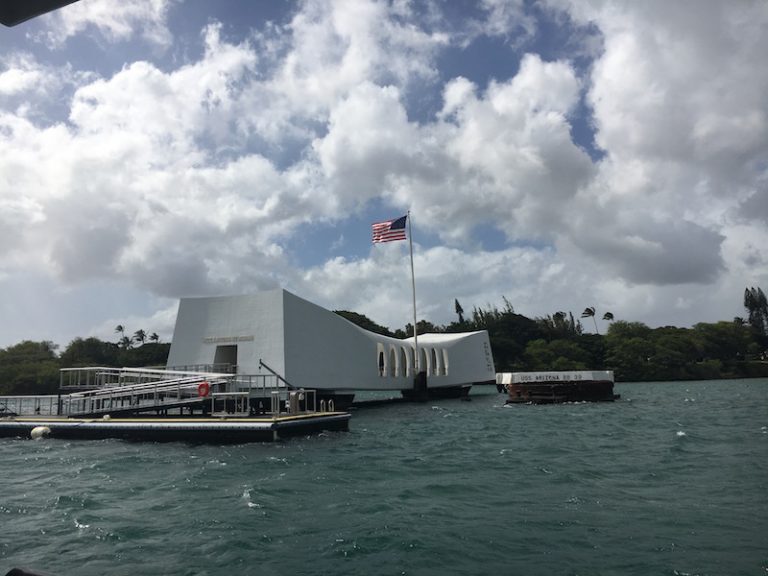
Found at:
(553, 154)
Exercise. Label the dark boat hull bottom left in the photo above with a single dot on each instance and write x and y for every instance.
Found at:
(560, 392)
(214, 430)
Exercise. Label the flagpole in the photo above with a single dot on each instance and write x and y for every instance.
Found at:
(413, 288)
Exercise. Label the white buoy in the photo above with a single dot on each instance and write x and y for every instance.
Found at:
(106, 417)
(39, 432)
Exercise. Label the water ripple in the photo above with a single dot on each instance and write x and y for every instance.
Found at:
(669, 480)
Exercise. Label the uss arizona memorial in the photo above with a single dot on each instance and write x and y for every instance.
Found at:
(313, 348)
(219, 348)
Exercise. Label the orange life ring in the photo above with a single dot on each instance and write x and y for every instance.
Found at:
(203, 389)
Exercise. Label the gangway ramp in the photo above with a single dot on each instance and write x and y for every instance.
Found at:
(133, 391)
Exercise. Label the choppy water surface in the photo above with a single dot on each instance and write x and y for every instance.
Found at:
(672, 479)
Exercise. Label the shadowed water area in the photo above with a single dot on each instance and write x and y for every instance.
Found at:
(671, 479)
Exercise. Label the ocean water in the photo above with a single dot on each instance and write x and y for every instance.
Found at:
(672, 480)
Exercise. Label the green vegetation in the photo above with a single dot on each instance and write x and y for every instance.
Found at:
(29, 368)
(33, 367)
(632, 350)
(635, 352)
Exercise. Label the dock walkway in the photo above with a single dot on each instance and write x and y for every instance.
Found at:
(162, 405)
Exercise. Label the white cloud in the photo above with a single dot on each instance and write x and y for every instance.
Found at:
(506, 19)
(123, 168)
(679, 111)
(23, 76)
(160, 322)
(380, 285)
(369, 140)
(28, 87)
(115, 21)
(504, 158)
(504, 16)
(338, 45)
(194, 179)
(328, 50)
(173, 108)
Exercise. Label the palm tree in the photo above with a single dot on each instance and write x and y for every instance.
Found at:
(154, 337)
(140, 336)
(757, 305)
(559, 320)
(608, 316)
(459, 311)
(125, 342)
(120, 329)
(589, 312)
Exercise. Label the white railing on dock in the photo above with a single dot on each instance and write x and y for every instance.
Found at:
(222, 367)
(29, 405)
(122, 396)
(104, 377)
(105, 390)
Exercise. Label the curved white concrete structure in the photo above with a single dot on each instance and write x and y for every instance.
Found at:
(312, 347)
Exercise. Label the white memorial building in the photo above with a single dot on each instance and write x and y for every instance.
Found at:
(311, 347)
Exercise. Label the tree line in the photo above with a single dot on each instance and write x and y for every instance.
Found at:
(634, 351)
(33, 367)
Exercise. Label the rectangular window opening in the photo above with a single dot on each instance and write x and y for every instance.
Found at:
(225, 358)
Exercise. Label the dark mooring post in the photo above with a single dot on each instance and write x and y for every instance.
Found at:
(420, 387)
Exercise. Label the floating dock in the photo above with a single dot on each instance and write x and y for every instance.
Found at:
(160, 405)
(215, 430)
(557, 387)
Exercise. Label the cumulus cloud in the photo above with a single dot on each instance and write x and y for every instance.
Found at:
(369, 140)
(327, 51)
(678, 109)
(338, 45)
(357, 285)
(504, 19)
(109, 174)
(650, 252)
(21, 74)
(503, 157)
(33, 90)
(114, 20)
(193, 178)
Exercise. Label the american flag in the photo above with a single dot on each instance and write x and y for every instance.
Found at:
(390, 230)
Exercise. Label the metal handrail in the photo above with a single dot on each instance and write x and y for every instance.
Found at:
(45, 405)
(104, 377)
(128, 389)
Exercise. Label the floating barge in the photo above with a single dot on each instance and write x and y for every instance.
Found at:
(213, 430)
(557, 387)
(161, 405)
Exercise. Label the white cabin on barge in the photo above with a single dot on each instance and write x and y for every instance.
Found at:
(557, 386)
